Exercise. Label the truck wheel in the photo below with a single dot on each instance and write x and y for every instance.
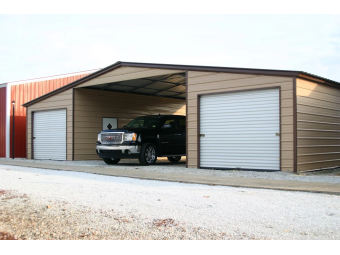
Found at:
(148, 154)
(174, 159)
(111, 161)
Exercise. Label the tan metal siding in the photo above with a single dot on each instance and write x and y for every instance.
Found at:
(91, 106)
(318, 126)
(127, 73)
(209, 82)
(62, 100)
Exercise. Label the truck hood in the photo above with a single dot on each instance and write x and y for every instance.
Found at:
(130, 130)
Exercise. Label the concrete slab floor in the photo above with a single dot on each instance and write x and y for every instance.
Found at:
(166, 171)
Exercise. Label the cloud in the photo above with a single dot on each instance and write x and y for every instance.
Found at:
(41, 45)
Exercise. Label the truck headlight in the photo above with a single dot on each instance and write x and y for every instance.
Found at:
(129, 137)
(99, 138)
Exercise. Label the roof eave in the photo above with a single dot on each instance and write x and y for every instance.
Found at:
(315, 78)
(284, 73)
(212, 69)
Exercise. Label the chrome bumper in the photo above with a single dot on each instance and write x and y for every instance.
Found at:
(123, 148)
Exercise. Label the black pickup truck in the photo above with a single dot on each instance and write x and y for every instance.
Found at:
(145, 138)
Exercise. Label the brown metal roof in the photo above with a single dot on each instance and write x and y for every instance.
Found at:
(300, 74)
(169, 85)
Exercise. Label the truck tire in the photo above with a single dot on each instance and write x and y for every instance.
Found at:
(148, 154)
(174, 159)
(111, 161)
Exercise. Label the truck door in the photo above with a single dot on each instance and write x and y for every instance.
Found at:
(180, 135)
(168, 136)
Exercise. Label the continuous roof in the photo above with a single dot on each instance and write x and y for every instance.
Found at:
(287, 73)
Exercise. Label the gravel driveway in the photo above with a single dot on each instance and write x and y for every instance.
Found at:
(47, 204)
(164, 166)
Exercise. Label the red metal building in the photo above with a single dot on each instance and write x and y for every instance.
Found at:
(2, 121)
(22, 92)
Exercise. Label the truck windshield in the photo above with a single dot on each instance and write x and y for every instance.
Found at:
(144, 122)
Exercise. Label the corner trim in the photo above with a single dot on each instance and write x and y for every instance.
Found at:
(27, 132)
(186, 118)
(8, 120)
(32, 127)
(199, 131)
(73, 96)
(295, 170)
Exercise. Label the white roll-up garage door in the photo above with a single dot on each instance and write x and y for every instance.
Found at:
(240, 130)
(49, 135)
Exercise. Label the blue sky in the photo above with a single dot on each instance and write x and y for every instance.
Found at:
(33, 46)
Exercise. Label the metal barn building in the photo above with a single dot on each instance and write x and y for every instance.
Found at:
(22, 92)
(237, 118)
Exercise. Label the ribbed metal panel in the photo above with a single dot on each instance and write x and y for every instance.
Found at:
(23, 93)
(49, 135)
(240, 130)
(3, 122)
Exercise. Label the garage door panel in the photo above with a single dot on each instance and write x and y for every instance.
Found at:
(49, 132)
(245, 166)
(240, 130)
(236, 106)
(234, 111)
(250, 127)
(254, 147)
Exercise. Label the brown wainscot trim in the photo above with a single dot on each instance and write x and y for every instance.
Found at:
(32, 127)
(295, 170)
(186, 118)
(199, 131)
(233, 91)
(280, 118)
(27, 132)
(32, 133)
(73, 101)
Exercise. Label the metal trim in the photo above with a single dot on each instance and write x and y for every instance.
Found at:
(26, 133)
(73, 103)
(295, 170)
(66, 136)
(32, 132)
(324, 81)
(8, 119)
(198, 131)
(212, 69)
(280, 118)
(186, 118)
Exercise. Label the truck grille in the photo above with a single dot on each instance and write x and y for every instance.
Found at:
(111, 138)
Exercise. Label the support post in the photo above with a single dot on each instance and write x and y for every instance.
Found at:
(13, 103)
